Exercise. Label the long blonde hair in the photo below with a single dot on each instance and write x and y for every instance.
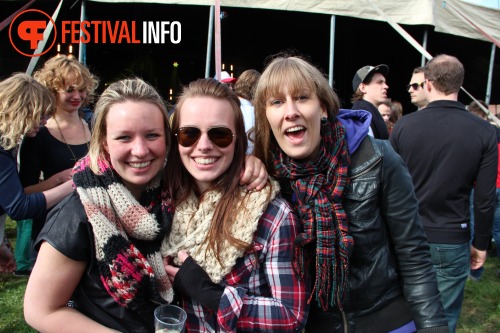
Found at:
(23, 101)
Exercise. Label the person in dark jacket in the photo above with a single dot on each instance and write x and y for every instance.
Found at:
(363, 242)
(370, 90)
(24, 104)
(448, 152)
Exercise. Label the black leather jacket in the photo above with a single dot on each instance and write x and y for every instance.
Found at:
(392, 280)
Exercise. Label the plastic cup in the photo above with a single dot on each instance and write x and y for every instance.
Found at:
(169, 319)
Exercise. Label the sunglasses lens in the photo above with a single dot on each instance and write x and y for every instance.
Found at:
(221, 136)
(415, 86)
(187, 136)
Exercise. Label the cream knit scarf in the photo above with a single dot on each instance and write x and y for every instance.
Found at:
(192, 221)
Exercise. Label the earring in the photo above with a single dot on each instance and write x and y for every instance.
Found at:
(324, 121)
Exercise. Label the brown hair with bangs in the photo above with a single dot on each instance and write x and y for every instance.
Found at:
(294, 74)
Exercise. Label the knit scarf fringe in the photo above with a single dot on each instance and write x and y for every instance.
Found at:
(319, 186)
(192, 221)
(127, 235)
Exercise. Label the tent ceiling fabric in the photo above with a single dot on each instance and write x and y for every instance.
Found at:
(443, 15)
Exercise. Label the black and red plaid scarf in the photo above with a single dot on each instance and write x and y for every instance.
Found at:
(127, 235)
(319, 185)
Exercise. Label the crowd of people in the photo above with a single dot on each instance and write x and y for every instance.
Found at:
(257, 204)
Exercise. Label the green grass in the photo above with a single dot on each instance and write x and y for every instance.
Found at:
(481, 307)
(11, 296)
(480, 312)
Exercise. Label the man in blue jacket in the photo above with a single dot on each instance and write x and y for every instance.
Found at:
(449, 151)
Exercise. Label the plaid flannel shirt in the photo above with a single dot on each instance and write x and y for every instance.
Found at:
(262, 293)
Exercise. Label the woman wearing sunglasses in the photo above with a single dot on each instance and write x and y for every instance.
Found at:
(368, 254)
(230, 253)
(100, 247)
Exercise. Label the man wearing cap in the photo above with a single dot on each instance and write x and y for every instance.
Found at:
(370, 90)
(449, 151)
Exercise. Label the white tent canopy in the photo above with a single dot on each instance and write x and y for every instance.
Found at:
(446, 16)
(450, 16)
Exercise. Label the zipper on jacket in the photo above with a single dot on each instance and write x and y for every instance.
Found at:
(344, 318)
(367, 170)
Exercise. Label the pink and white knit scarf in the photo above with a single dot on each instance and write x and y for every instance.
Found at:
(127, 233)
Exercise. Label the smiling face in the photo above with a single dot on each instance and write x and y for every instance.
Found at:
(295, 120)
(135, 142)
(71, 97)
(204, 160)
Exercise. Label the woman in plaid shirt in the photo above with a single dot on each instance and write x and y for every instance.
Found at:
(230, 253)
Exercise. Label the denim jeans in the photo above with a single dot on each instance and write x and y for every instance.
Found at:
(475, 274)
(452, 264)
(496, 224)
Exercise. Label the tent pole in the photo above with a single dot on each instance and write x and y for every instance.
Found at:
(401, 31)
(490, 74)
(82, 49)
(218, 47)
(9, 19)
(424, 45)
(41, 44)
(209, 41)
(332, 49)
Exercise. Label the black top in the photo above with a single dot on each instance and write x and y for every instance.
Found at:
(377, 125)
(45, 154)
(448, 152)
(69, 232)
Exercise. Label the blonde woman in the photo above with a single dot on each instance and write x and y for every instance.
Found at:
(65, 138)
(23, 105)
(100, 247)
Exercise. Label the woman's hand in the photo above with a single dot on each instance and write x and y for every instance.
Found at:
(62, 176)
(192, 281)
(255, 174)
(171, 269)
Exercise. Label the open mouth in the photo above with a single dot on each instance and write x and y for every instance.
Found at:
(295, 132)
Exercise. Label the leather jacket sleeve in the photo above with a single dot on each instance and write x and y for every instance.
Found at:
(399, 208)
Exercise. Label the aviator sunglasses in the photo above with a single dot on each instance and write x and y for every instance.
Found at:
(415, 85)
(189, 135)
